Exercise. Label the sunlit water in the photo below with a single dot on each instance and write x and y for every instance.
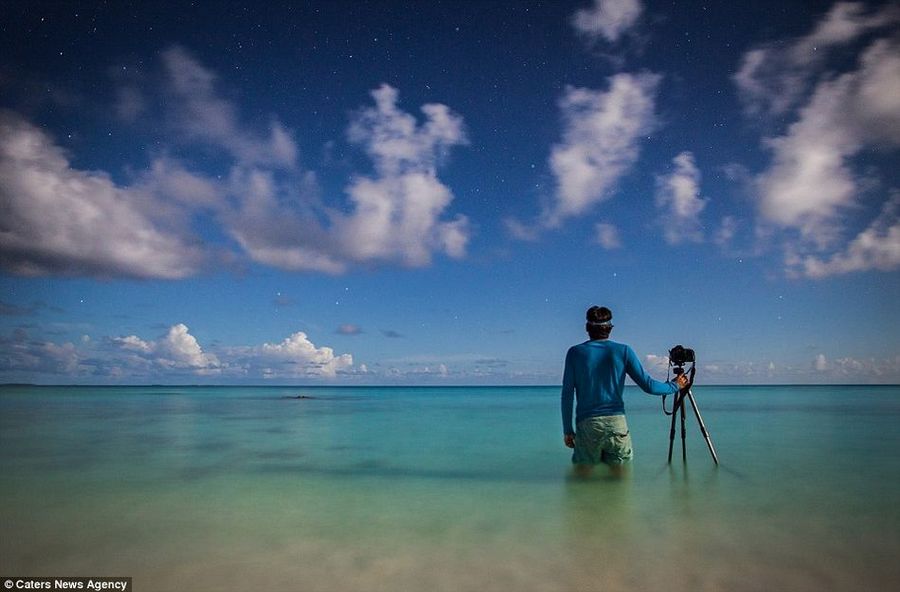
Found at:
(189, 488)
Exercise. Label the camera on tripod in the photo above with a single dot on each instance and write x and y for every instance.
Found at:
(680, 355)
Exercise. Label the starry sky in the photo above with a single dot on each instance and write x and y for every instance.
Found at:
(435, 192)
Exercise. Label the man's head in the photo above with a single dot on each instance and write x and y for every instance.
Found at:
(599, 322)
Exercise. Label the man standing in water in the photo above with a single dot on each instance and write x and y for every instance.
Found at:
(595, 377)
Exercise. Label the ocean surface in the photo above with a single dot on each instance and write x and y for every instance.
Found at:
(434, 489)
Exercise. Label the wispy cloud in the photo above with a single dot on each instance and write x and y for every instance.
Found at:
(349, 329)
(678, 199)
(607, 19)
(602, 133)
(774, 77)
(876, 247)
(601, 142)
(201, 114)
(811, 183)
(607, 236)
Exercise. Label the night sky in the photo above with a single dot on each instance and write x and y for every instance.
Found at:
(434, 192)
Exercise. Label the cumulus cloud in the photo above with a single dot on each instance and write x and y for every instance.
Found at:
(396, 215)
(811, 182)
(176, 350)
(56, 219)
(678, 198)
(601, 142)
(607, 19)
(607, 236)
(297, 356)
(397, 212)
(820, 363)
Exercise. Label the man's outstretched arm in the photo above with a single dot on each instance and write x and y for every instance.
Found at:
(640, 377)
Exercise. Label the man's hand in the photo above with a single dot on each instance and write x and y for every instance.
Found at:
(569, 439)
(682, 381)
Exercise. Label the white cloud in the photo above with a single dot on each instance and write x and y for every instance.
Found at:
(811, 183)
(135, 343)
(180, 349)
(726, 232)
(774, 77)
(55, 219)
(678, 198)
(810, 179)
(656, 364)
(201, 114)
(298, 356)
(600, 143)
(176, 350)
(29, 357)
(607, 236)
(876, 247)
(818, 370)
(520, 230)
(396, 214)
(276, 224)
(609, 19)
(130, 103)
(820, 363)
(169, 178)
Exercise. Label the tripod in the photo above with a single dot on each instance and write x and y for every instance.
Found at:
(677, 406)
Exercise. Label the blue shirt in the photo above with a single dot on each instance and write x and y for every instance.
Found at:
(595, 372)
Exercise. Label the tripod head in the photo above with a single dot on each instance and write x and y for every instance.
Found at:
(679, 356)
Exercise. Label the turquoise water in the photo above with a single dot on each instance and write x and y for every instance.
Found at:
(237, 488)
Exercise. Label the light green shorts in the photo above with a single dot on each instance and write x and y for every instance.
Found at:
(603, 439)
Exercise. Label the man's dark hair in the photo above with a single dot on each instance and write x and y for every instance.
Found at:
(599, 322)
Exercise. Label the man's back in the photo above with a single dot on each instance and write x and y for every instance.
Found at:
(596, 371)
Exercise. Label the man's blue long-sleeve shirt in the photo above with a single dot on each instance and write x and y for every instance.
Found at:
(596, 371)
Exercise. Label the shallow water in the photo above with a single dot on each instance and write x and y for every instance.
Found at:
(235, 488)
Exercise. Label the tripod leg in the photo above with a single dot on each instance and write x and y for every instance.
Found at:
(683, 434)
(675, 404)
(709, 443)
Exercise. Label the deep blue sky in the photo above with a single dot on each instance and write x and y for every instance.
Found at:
(434, 192)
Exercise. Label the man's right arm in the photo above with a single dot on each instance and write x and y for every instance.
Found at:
(640, 377)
